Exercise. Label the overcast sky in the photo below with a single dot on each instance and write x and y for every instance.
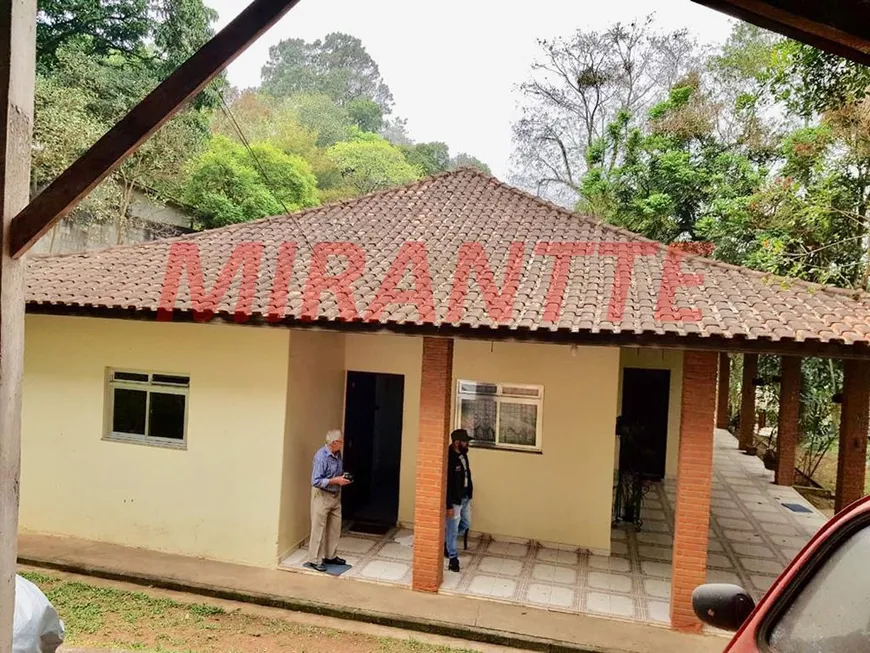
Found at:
(453, 65)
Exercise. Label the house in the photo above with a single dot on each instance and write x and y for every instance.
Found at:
(175, 391)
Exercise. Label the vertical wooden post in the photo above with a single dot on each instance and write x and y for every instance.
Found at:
(17, 71)
(747, 403)
(723, 414)
(854, 418)
(789, 420)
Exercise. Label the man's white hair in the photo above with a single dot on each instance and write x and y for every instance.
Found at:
(333, 436)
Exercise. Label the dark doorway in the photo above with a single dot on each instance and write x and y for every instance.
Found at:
(645, 397)
(373, 450)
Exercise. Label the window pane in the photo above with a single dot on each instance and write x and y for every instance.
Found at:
(130, 376)
(167, 379)
(129, 411)
(477, 416)
(514, 391)
(479, 388)
(167, 416)
(518, 424)
(832, 613)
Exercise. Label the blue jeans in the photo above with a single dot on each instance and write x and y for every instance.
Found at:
(453, 531)
(457, 525)
(465, 516)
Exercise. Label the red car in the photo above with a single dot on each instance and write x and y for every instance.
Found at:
(819, 604)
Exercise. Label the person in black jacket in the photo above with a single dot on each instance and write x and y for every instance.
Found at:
(460, 490)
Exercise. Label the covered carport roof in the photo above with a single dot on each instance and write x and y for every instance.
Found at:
(841, 27)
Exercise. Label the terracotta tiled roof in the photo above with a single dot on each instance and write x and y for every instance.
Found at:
(443, 213)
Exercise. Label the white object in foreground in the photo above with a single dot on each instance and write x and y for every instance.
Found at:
(37, 626)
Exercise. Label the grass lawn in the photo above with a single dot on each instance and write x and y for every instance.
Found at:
(104, 617)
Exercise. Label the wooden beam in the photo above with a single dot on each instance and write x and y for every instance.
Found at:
(17, 72)
(792, 19)
(142, 122)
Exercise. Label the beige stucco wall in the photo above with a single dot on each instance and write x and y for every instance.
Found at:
(389, 354)
(315, 402)
(660, 359)
(564, 494)
(261, 400)
(217, 499)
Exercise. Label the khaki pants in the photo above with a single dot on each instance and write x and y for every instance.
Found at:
(325, 524)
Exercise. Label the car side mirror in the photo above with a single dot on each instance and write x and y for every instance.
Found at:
(722, 606)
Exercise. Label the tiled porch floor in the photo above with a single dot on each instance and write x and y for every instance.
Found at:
(752, 537)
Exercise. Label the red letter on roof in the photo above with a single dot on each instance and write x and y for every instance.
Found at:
(625, 253)
(673, 278)
(499, 304)
(186, 255)
(563, 253)
(281, 282)
(411, 255)
(339, 284)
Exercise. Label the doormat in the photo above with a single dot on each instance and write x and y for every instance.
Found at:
(333, 570)
(796, 507)
(370, 529)
(336, 570)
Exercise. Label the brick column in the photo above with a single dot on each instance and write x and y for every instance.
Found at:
(429, 510)
(788, 429)
(853, 433)
(723, 413)
(694, 479)
(747, 403)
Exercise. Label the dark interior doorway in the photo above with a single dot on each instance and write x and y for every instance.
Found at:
(645, 397)
(373, 450)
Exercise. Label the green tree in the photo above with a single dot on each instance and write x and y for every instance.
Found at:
(431, 158)
(158, 35)
(80, 99)
(160, 31)
(226, 185)
(463, 160)
(663, 178)
(810, 81)
(266, 119)
(366, 114)
(319, 113)
(63, 130)
(101, 27)
(371, 163)
(337, 66)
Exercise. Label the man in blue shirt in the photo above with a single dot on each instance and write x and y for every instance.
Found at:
(327, 479)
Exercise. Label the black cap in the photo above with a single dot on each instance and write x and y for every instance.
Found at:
(460, 435)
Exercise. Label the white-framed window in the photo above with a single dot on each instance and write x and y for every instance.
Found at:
(147, 407)
(505, 415)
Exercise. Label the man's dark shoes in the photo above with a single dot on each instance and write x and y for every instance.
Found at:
(334, 561)
(316, 566)
(454, 564)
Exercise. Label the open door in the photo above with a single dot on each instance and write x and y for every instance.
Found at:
(645, 397)
(374, 406)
